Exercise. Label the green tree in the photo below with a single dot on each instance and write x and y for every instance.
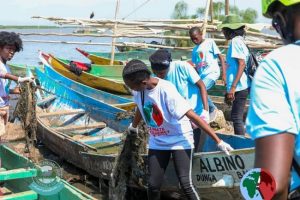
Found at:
(180, 10)
(248, 16)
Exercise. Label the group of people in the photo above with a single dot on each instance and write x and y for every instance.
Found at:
(173, 102)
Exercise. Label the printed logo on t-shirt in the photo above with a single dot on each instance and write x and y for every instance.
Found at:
(153, 115)
(154, 119)
(201, 63)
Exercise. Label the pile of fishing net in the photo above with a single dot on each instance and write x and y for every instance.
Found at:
(130, 167)
(25, 111)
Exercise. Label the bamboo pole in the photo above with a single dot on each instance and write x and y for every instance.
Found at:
(205, 18)
(211, 11)
(114, 39)
(143, 45)
(226, 7)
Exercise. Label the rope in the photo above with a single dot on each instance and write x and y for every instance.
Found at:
(136, 9)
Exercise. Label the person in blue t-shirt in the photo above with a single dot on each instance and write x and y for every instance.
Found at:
(273, 119)
(205, 57)
(188, 83)
(238, 83)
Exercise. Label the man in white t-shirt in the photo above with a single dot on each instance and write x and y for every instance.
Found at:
(167, 115)
(10, 43)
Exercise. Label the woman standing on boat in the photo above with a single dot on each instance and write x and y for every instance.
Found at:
(238, 82)
(10, 43)
(274, 115)
(167, 115)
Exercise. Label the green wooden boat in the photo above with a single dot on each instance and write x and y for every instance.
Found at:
(107, 71)
(20, 69)
(96, 57)
(17, 173)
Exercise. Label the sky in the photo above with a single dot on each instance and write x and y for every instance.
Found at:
(19, 12)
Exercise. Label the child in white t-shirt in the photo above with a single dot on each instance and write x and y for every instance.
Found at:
(168, 117)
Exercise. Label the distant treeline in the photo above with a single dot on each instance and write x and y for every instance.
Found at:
(26, 27)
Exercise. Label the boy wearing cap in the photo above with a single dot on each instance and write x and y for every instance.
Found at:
(188, 83)
(167, 115)
(205, 57)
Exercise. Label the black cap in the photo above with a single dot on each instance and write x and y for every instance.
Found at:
(135, 66)
(160, 59)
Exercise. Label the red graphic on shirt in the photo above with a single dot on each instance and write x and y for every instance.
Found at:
(201, 55)
(158, 131)
(157, 116)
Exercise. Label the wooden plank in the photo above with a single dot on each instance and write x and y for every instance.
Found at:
(27, 195)
(17, 173)
(80, 127)
(46, 100)
(59, 113)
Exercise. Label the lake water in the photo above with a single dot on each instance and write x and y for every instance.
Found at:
(29, 55)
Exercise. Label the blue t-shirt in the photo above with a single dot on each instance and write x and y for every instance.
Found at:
(184, 77)
(205, 58)
(275, 99)
(236, 50)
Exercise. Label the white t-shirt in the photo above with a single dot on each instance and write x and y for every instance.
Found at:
(164, 112)
(4, 85)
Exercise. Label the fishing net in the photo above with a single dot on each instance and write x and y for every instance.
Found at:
(25, 111)
(129, 166)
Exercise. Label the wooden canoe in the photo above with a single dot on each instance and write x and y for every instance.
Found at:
(20, 69)
(92, 145)
(95, 59)
(106, 71)
(111, 85)
(141, 54)
(17, 173)
(108, 98)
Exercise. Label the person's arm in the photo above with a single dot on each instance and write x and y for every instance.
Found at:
(223, 65)
(241, 68)
(203, 93)
(203, 125)
(275, 153)
(226, 148)
(16, 90)
(11, 77)
(18, 79)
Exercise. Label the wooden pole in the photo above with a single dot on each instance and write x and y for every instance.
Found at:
(205, 18)
(114, 38)
(211, 11)
(226, 7)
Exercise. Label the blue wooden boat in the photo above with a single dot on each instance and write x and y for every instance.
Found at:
(86, 135)
(108, 98)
